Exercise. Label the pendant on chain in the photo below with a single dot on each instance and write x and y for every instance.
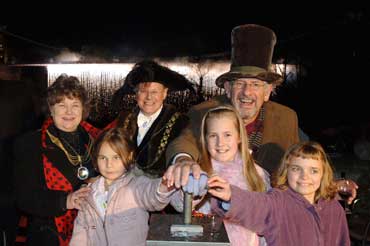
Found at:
(82, 172)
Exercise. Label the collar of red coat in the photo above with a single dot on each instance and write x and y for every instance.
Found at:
(91, 130)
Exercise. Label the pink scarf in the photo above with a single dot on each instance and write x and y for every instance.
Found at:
(233, 173)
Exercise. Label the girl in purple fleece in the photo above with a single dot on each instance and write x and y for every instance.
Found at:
(300, 210)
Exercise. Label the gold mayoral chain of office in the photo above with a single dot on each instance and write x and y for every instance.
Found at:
(73, 159)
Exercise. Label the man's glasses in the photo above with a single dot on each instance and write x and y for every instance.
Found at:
(254, 86)
(151, 93)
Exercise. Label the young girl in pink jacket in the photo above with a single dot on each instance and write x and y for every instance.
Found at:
(224, 148)
(116, 211)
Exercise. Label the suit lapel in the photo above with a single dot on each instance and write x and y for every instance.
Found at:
(153, 130)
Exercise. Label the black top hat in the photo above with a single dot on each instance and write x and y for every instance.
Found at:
(251, 55)
(150, 71)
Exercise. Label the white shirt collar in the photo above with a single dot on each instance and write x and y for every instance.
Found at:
(141, 118)
(144, 123)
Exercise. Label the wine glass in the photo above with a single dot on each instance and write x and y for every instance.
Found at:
(345, 191)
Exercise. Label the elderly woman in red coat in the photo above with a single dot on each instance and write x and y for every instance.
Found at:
(51, 164)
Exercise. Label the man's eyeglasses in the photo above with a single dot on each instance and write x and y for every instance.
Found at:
(152, 93)
(254, 86)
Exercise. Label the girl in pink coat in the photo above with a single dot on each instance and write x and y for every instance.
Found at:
(116, 211)
(224, 148)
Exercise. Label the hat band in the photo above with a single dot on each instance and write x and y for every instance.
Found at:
(247, 70)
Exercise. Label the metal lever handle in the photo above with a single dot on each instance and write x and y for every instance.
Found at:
(188, 200)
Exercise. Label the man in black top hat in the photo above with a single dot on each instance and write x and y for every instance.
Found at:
(271, 127)
(153, 124)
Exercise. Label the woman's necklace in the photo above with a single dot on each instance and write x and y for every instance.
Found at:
(82, 171)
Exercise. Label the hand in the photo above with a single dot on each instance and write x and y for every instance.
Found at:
(76, 198)
(165, 186)
(178, 173)
(352, 188)
(197, 187)
(219, 188)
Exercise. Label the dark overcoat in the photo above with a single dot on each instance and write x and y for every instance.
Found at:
(43, 204)
(150, 154)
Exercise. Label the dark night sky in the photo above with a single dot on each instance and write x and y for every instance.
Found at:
(199, 33)
(332, 43)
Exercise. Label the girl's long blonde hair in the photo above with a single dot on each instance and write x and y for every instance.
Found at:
(307, 150)
(251, 175)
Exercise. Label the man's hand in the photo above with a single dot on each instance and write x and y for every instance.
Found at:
(178, 173)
